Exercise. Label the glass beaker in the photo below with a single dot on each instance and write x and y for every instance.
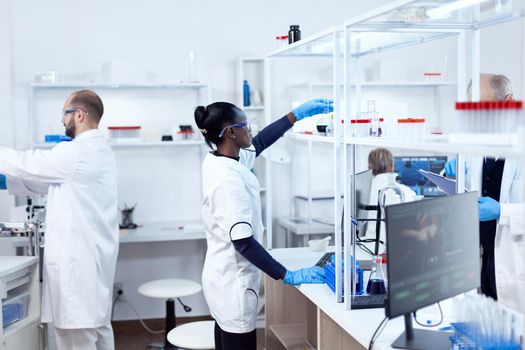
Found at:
(374, 119)
(376, 282)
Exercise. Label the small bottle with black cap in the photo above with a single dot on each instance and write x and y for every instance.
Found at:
(294, 34)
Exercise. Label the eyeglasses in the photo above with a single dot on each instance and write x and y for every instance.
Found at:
(72, 110)
(244, 125)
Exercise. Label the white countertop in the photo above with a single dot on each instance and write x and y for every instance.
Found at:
(360, 324)
(304, 228)
(164, 231)
(10, 264)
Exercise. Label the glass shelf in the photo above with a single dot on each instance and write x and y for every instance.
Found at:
(442, 145)
(318, 45)
(108, 85)
(451, 14)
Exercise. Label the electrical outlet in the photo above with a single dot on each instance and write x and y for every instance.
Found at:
(118, 290)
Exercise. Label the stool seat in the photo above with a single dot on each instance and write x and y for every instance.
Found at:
(194, 335)
(169, 288)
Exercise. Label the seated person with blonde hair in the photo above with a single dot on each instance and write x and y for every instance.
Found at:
(381, 162)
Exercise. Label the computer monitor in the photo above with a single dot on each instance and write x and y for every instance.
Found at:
(433, 254)
(407, 169)
(363, 185)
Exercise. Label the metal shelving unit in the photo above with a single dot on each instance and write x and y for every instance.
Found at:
(404, 23)
(202, 90)
(326, 44)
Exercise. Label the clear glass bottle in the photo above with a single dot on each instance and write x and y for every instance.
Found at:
(376, 282)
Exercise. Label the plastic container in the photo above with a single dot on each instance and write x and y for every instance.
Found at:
(14, 309)
(489, 116)
(282, 41)
(319, 245)
(411, 128)
(294, 34)
(433, 76)
(363, 127)
(360, 127)
(55, 138)
(125, 133)
(246, 93)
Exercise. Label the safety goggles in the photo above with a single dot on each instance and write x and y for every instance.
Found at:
(244, 125)
(72, 110)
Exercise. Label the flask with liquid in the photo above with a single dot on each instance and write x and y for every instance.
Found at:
(376, 282)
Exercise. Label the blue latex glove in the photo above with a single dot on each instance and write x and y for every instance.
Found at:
(450, 168)
(489, 209)
(313, 107)
(307, 275)
(3, 182)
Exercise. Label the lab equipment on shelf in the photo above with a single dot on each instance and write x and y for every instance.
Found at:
(246, 93)
(490, 117)
(184, 133)
(363, 127)
(412, 129)
(127, 217)
(282, 41)
(482, 323)
(325, 125)
(375, 122)
(125, 133)
(294, 34)
(329, 269)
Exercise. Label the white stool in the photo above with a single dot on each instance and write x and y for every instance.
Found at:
(169, 289)
(194, 335)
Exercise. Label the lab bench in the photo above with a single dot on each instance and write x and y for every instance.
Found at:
(308, 316)
(303, 228)
(20, 293)
(164, 231)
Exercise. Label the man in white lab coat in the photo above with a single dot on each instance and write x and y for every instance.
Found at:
(502, 224)
(81, 237)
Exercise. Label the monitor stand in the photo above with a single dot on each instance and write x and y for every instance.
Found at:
(421, 338)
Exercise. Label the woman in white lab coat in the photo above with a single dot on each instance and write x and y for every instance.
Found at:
(381, 162)
(231, 213)
(81, 236)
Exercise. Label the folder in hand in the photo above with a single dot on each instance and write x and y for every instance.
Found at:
(446, 184)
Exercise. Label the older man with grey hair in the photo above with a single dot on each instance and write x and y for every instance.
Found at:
(501, 210)
(493, 87)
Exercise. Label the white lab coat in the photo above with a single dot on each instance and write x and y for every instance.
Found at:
(510, 233)
(379, 182)
(231, 210)
(81, 237)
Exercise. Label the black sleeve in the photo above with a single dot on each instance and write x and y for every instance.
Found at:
(252, 251)
(267, 136)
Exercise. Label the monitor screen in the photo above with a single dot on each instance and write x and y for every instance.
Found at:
(363, 185)
(407, 169)
(433, 251)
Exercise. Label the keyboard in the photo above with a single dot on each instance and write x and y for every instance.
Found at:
(368, 301)
(325, 259)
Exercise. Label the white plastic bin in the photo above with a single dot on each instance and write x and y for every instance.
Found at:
(411, 128)
(125, 133)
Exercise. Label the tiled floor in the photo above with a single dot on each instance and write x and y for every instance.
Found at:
(130, 335)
